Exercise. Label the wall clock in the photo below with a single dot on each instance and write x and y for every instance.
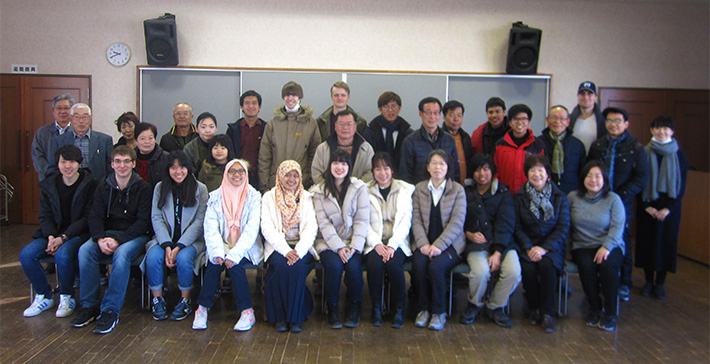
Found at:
(118, 54)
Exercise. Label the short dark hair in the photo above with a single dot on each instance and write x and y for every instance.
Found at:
(480, 160)
(127, 116)
(69, 152)
(447, 159)
(343, 113)
(582, 189)
(125, 151)
(387, 97)
(206, 115)
(495, 102)
(663, 121)
(616, 110)
(292, 88)
(223, 140)
(534, 159)
(519, 108)
(247, 94)
(61, 97)
(429, 100)
(141, 127)
(452, 105)
(382, 158)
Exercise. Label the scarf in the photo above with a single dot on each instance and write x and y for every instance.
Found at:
(390, 129)
(610, 157)
(665, 179)
(540, 201)
(233, 200)
(288, 201)
(558, 154)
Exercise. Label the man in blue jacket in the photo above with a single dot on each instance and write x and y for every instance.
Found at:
(42, 142)
(565, 152)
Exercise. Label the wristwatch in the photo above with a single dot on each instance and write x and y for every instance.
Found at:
(64, 238)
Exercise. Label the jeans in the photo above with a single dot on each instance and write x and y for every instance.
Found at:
(121, 259)
(480, 275)
(334, 267)
(65, 259)
(429, 276)
(240, 285)
(155, 261)
(395, 271)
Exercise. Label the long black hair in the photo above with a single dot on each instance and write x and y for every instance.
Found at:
(582, 189)
(188, 186)
(223, 140)
(338, 155)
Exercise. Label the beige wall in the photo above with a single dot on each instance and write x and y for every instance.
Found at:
(640, 43)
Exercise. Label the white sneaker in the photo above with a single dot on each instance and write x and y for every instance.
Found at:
(38, 305)
(422, 319)
(66, 305)
(200, 321)
(246, 321)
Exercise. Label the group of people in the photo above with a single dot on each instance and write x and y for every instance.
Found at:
(349, 194)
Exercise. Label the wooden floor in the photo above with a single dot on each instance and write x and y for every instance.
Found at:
(649, 331)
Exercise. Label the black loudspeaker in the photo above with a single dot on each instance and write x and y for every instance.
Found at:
(161, 44)
(523, 49)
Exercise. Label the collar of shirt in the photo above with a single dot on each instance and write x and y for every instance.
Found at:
(60, 129)
(87, 135)
(245, 124)
(436, 193)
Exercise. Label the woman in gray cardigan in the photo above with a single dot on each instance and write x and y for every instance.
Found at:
(178, 211)
(597, 217)
(439, 211)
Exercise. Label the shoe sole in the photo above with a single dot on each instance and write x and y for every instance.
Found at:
(337, 326)
(82, 324)
(57, 315)
(159, 318)
(179, 318)
(352, 325)
(106, 331)
(199, 328)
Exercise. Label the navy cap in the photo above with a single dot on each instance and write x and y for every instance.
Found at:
(587, 85)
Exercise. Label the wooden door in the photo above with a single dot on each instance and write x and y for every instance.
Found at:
(11, 137)
(36, 94)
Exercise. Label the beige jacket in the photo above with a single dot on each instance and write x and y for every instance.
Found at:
(288, 136)
(391, 218)
(362, 165)
(272, 222)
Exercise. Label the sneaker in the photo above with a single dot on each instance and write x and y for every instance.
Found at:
(85, 316)
(469, 316)
(422, 319)
(499, 317)
(608, 323)
(182, 310)
(38, 305)
(624, 292)
(66, 305)
(200, 321)
(295, 328)
(592, 319)
(160, 311)
(535, 317)
(438, 320)
(647, 289)
(106, 323)
(659, 292)
(281, 326)
(246, 320)
(548, 324)
(103, 281)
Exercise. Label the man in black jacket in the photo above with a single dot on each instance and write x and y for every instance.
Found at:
(120, 225)
(386, 132)
(565, 152)
(246, 133)
(628, 173)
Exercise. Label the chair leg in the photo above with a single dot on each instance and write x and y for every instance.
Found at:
(451, 290)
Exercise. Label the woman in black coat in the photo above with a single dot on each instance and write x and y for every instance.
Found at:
(659, 207)
(543, 221)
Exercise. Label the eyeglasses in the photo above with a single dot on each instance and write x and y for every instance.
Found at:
(182, 113)
(437, 164)
(240, 172)
(122, 161)
(63, 108)
(521, 119)
(81, 117)
(614, 121)
(391, 107)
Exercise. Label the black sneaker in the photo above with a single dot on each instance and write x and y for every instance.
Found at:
(295, 328)
(182, 310)
(647, 289)
(624, 293)
(659, 292)
(85, 316)
(535, 318)
(469, 316)
(592, 319)
(608, 323)
(160, 311)
(106, 323)
(548, 324)
(499, 317)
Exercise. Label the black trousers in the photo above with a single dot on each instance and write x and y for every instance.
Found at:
(595, 275)
(429, 276)
(539, 282)
(395, 270)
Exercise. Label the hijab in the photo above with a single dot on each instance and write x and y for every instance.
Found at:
(288, 201)
(233, 201)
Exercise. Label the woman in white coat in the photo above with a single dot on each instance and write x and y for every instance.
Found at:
(288, 223)
(231, 238)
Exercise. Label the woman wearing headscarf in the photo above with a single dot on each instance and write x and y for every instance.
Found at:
(231, 240)
(288, 223)
(659, 208)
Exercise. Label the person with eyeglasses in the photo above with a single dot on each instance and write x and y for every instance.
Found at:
(418, 145)
(518, 143)
(340, 94)
(346, 138)
(42, 141)
(182, 132)
(95, 146)
(387, 131)
(628, 167)
(563, 150)
(120, 225)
